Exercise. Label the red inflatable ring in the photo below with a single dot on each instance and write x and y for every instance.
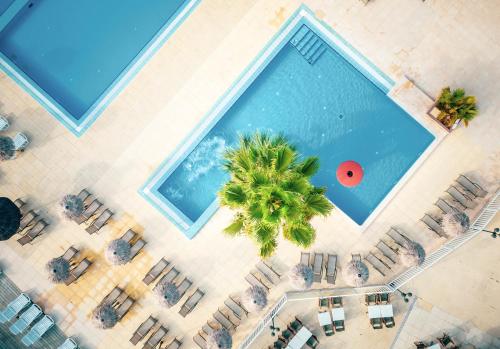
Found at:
(349, 173)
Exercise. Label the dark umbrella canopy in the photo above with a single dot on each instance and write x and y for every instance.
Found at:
(7, 150)
(10, 218)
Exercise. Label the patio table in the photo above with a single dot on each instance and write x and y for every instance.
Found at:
(374, 312)
(338, 314)
(386, 310)
(324, 318)
(298, 341)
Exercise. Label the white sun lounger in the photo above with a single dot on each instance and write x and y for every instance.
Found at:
(4, 123)
(472, 187)
(136, 248)
(143, 330)
(26, 319)
(14, 308)
(69, 343)
(155, 271)
(38, 330)
(191, 302)
(461, 198)
(21, 141)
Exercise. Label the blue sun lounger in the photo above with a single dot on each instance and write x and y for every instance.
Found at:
(26, 319)
(68, 344)
(38, 330)
(14, 308)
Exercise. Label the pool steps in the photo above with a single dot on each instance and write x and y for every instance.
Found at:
(309, 45)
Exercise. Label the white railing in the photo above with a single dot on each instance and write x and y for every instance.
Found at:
(484, 218)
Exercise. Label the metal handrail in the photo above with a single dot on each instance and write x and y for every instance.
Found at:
(484, 218)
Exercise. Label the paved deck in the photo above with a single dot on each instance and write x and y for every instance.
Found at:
(434, 43)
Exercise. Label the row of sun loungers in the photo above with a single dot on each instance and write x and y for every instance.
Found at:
(120, 300)
(31, 226)
(157, 337)
(318, 265)
(332, 324)
(78, 269)
(137, 244)
(26, 314)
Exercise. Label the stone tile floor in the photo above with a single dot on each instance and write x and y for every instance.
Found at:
(434, 43)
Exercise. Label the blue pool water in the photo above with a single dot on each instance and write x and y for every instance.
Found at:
(327, 109)
(73, 52)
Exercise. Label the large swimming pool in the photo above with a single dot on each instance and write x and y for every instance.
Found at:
(74, 56)
(326, 98)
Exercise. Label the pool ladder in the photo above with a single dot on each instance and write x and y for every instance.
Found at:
(309, 45)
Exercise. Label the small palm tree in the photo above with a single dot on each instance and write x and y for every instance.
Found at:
(271, 192)
(455, 105)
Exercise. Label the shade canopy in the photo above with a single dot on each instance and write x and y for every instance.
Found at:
(412, 254)
(254, 298)
(71, 206)
(220, 339)
(7, 149)
(118, 252)
(58, 270)
(356, 273)
(349, 173)
(301, 277)
(167, 293)
(105, 316)
(10, 218)
(455, 223)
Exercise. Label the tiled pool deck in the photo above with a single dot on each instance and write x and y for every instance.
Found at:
(434, 43)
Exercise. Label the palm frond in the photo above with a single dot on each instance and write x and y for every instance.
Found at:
(309, 166)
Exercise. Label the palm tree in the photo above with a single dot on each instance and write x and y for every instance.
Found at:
(271, 192)
(455, 105)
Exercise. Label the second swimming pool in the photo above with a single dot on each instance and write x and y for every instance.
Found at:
(326, 99)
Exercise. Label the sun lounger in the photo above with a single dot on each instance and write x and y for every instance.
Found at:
(268, 272)
(143, 330)
(253, 281)
(387, 251)
(21, 205)
(156, 338)
(236, 321)
(69, 343)
(312, 342)
(445, 206)
(376, 323)
(124, 307)
(170, 276)
(136, 248)
(99, 222)
(38, 330)
(331, 269)
(155, 271)
(433, 225)
(207, 329)
(14, 308)
(471, 186)
(27, 219)
(375, 263)
(238, 303)
(70, 253)
(78, 271)
(262, 278)
(21, 141)
(389, 322)
(26, 319)
(237, 309)
(175, 344)
(84, 195)
(223, 320)
(371, 299)
(4, 123)
(323, 304)
(318, 267)
(305, 258)
(33, 232)
(112, 296)
(183, 287)
(200, 341)
(460, 197)
(88, 212)
(336, 302)
(339, 325)
(191, 302)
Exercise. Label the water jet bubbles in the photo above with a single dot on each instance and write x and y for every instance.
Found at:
(324, 107)
(277, 93)
(319, 76)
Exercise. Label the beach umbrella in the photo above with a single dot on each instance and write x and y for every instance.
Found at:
(254, 298)
(118, 252)
(455, 223)
(220, 339)
(10, 218)
(7, 150)
(58, 270)
(167, 293)
(72, 206)
(105, 316)
(355, 273)
(301, 276)
(412, 254)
